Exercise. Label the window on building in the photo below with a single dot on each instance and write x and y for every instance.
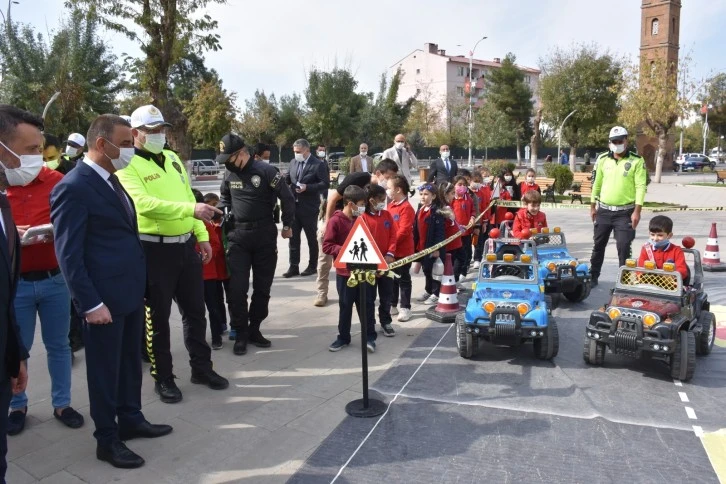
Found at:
(460, 91)
(460, 71)
(654, 27)
(528, 79)
(418, 71)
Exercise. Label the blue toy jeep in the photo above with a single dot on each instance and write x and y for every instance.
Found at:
(560, 272)
(507, 306)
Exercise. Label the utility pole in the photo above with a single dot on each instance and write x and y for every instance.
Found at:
(471, 93)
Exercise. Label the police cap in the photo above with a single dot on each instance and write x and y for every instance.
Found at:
(230, 144)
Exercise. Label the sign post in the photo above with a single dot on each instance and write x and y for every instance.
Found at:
(361, 256)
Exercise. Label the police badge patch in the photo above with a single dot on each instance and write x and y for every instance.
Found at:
(256, 181)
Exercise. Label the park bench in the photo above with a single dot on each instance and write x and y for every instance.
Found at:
(582, 186)
(547, 186)
(720, 176)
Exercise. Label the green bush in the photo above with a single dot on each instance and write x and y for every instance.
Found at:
(707, 169)
(344, 165)
(549, 169)
(562, 175)
(498, 166)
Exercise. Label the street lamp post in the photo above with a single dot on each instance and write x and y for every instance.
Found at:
(705, 128)
(559, 133)
(471, 92)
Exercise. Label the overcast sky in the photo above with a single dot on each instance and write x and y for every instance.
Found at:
(271, 44)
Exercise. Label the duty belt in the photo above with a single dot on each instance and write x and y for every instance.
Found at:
(252, 225)
(161, 239)
(615, 208)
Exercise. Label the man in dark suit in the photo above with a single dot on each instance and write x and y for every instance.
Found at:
(444, 169)
(101, 256)
(308, 179)
(19, 136)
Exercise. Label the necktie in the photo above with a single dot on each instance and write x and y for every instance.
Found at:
(300, 170)
(121, 196)
(448, 168)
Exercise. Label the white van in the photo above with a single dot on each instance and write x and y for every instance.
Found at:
(717, 155)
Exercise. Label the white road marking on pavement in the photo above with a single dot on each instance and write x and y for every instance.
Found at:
(684, 397)
(678, 383)
(389, 405)
(691, 413)
(698, 431)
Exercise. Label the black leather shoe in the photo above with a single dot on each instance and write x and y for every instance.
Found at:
(118, 455)
(292, 271)
(146, 430)
(16, 421)
(70, 418)
(168, 391)
(258, 340)
(240, 346)
(309, 271)
(211, 379)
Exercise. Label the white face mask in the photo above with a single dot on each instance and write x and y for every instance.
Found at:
(530, 179)
(363, 154)
(321, 154)
(487, 180)
(359, 211)
(71, 151)
(475, 186)
(379, 206)
(399, 145)
(29, 168)
(445, 155)
(299, 157)
(507, 178)
(383, 182)
(618, 149)
(264, 160)
(124, 157)
(155, 142)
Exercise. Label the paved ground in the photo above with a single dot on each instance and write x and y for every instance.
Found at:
(502, 415)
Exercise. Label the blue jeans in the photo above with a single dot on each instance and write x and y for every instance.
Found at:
(50, 300)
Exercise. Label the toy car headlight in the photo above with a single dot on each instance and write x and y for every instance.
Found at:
(523, 308)
(630, 263)
(650, 319)
(533, 230)
(557, 230)
(614, 313)
(545, 230)
(526, 258)
(649, 264)
(551, 267)
(508, 257)
(669, 267)
(573, 263)
(489, 306)
(491, 257)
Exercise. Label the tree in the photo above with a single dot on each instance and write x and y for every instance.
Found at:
(716, 96)
(508, 92)
(289, 124)
(381, 119)
(492, 128)
(424, 116)
(74, 61)
(165, 30)
(583, 80)
(259, 119)
(651, 101)
(333, 106)
(211, 113)
(693, 137)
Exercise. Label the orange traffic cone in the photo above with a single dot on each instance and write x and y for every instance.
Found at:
(447, 308)
(711, 257)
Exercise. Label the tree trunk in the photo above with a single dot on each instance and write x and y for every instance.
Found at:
(519, 156)
(573, 158)
(662, 143)
(535, 140)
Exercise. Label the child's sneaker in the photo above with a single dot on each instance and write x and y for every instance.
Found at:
(217, 344)
(394, 311)
(388, 330)
(337, 345)
(404, 315)
(477, 264)
(424, 297)
(433, 299)
(232, 335)
(371, 345)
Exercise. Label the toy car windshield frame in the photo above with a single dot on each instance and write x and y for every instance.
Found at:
(549, 245)
(509, 279)
(652, 281)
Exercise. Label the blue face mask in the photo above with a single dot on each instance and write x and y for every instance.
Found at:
(661, 244)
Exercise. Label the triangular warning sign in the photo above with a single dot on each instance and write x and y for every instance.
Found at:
(360, 248)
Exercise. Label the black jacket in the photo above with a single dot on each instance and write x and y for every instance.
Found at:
(434, 234)
(438, 173)
(316, 179)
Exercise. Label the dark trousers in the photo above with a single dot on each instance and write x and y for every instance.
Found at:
(254, 250)
(606, 222)
(214, 300)
(458, 258)
(113, 369)
(480, 242)
(384, 286)
(174, 272)
(432, 286)
(308, 223)
(349, 296)
(466, 248)
(402, 287)
(5, 396)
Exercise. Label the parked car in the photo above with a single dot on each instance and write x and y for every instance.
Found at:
(718, 155)
(334, 158)
(697, 162)
(204, 167)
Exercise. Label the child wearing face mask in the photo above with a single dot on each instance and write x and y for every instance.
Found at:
(403, 220)
(529, 216)
(660, 249)
(336, 232)
(428, 230)
(465, 209)
(447, 195)
(528, 183)
(499, 192)
(382, 230)
(483, 193)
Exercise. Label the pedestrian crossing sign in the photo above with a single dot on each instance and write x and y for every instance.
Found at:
(360, 248)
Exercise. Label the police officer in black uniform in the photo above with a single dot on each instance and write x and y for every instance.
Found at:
(250, 191)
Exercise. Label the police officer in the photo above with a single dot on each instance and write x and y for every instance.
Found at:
(250, 191)
(170, 225)
(73, 153)
(617, 198)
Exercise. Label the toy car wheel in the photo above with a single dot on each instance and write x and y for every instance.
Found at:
(552, 300)
(547, 347)
(465, 342)
(594, 352)
(579, 294)
(707, 336)
(683, 360)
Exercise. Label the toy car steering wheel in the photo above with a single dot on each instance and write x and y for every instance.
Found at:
(507, 270)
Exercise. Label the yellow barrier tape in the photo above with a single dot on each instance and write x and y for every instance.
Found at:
(357, 276)
(586, 206)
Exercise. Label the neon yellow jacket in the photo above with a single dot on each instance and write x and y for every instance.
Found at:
(620, 182)
(163, 198)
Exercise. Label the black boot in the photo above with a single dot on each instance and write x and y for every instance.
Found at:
(256, 338)
(292, 271)
(240, 345)
(311, 270)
